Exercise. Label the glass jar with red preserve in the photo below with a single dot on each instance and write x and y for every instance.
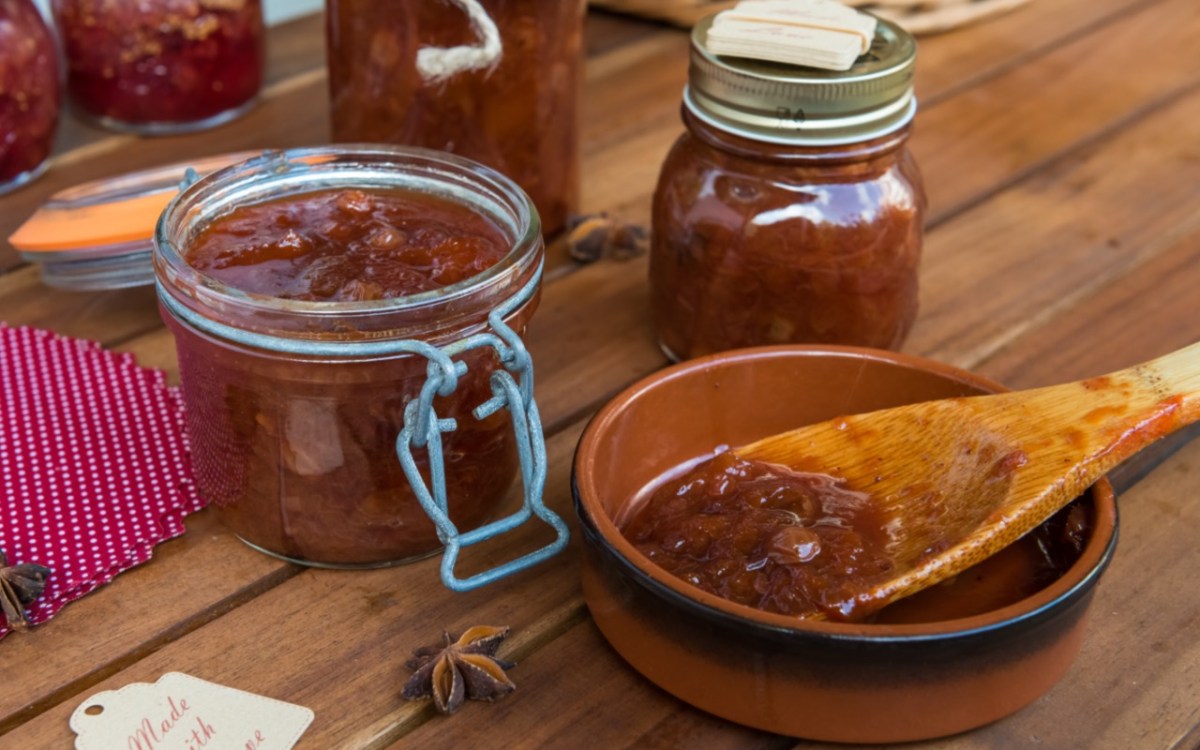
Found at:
(348, 322)
(29, 93)
(791, 210)
(162, 66)
(497, 81)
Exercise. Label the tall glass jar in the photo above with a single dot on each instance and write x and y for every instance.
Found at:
(295, 405)
(791, 210)
(162, 66)
(29, 93)
(497, 81)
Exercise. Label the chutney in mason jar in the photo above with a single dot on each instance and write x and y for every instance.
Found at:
(274, 299)
(517, 111)
(162, 66)
(790, 211)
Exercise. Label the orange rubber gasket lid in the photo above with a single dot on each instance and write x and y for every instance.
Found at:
(99, 235)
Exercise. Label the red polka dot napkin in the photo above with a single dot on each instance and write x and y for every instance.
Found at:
(93, 463)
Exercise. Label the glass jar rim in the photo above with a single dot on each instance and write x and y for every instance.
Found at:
(278, 173)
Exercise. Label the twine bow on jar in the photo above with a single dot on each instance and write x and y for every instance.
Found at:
(440, 63)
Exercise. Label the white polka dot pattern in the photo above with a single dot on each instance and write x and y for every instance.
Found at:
(94, 468)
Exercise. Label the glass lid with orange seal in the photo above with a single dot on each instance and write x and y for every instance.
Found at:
(99, 235)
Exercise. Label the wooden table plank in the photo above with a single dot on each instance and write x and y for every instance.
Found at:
(964, 58)
(1016, 122)
(336, 640)
(1033, 251)
(624, 710)
(189, 581)
(1139, 313)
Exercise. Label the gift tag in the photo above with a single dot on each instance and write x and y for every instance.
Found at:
(181, 712)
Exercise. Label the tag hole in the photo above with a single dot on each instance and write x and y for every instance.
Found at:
(94, 710)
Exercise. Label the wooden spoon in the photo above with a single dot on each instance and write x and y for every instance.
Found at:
(959, 479)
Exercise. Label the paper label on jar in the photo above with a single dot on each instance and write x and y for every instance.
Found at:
(181, 712)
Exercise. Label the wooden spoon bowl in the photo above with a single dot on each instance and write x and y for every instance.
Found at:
(848, 682)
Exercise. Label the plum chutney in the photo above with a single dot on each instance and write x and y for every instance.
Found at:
(800, 543)
(294, 425)
(347, 245)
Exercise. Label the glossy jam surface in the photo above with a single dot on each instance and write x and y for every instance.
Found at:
(797, 543)
(298, 453)
(29, 92)
(520, 117)
(757, 244)
(161, 61)
(347, 245)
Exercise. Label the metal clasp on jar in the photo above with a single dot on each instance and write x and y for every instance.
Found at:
(512, 389)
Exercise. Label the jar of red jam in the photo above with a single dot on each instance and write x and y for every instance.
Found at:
(29, 93)
(348, 322)
(162, 66)
(791, 210)
(497, 81)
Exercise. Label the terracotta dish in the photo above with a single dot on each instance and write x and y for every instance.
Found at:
(861, 682)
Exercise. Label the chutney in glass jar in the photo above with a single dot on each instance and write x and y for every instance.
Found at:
(29, 93)
(162, 66)
(790, 211)
(300, 288)
(513, 104)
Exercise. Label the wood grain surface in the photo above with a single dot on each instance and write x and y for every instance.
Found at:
(1061, 149)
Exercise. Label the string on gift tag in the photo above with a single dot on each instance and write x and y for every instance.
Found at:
(437, 64)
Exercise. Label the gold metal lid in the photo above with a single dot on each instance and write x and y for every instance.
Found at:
(789, 104)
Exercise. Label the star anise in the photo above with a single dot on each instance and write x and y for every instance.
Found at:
(455, 670)
(19, 585)
(592, 237)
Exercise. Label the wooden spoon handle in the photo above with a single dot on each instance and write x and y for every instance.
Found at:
(1097, 424)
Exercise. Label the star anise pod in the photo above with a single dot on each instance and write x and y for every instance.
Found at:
(592, 237)
(455, 670)
(19, 585)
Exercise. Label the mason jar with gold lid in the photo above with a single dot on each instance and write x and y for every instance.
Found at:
(791, 210)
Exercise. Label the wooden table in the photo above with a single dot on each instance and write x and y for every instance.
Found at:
(1061, 148)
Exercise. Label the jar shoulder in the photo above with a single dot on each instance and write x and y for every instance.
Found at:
(699, 182)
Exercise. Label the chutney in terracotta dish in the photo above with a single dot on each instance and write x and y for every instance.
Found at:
(802, 543)
(953, 657)
(301, 288)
